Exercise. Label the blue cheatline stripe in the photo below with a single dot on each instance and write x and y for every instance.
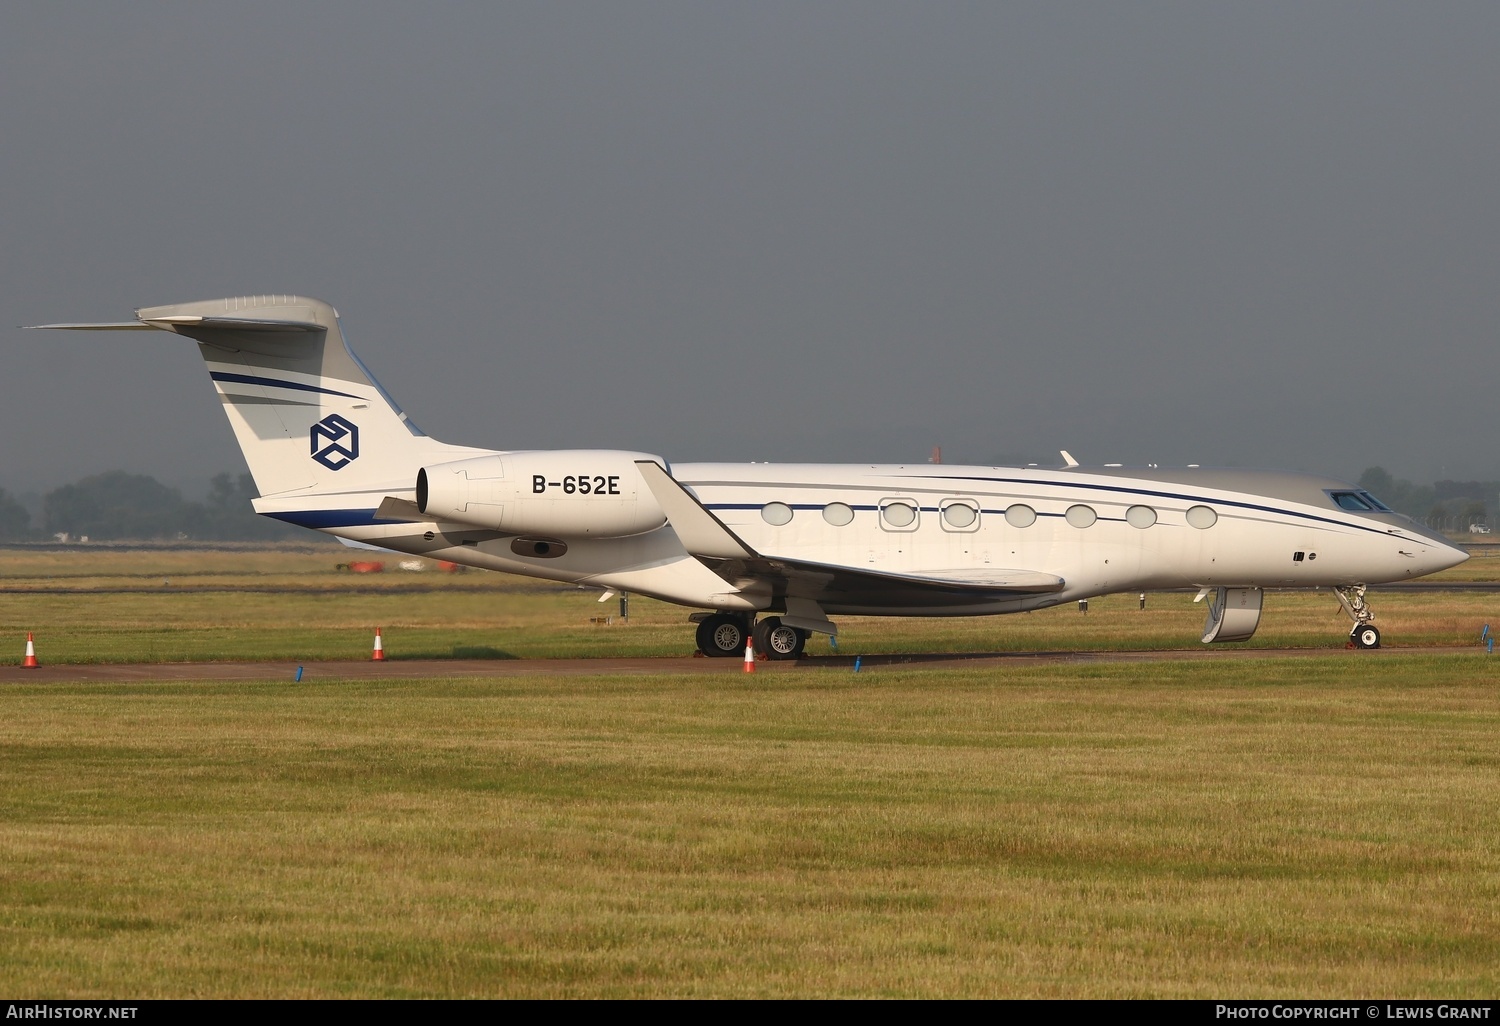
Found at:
(316, 518)
(251, 379)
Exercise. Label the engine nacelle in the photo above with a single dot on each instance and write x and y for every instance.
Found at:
(566, 493)
(1233, 614)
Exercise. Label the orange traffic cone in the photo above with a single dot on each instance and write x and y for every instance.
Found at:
(379, 653)
(30, 661)
(749, 655)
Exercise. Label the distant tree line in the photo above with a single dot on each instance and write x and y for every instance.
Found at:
(118, 506)
(1443, 505)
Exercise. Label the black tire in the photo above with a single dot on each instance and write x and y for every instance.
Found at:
(775, 640)
(722, 636)
(1366, 635)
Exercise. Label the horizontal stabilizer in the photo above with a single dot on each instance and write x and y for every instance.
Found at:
(700, 532)
(192, 325)
(103, 326)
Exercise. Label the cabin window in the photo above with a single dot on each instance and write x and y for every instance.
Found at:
(776, 514)
(1141, 517)
(1081, 516)
(960, 515)
(1202, 517)
(838, 514)
(899, 513)
(1020, 515)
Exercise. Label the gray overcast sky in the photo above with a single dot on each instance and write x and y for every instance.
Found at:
(1248, 233)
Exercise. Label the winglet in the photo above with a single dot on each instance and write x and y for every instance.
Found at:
(1068, 458)
(700, 532)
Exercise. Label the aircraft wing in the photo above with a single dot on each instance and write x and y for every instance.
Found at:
(708, 538)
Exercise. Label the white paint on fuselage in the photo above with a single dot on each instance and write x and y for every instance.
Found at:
(1251, 544)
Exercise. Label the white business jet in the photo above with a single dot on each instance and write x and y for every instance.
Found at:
(330, 450)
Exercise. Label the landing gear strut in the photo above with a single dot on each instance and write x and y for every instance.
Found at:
(1365, 634)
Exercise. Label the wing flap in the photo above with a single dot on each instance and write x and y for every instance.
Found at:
(991, 579)
(976, 580)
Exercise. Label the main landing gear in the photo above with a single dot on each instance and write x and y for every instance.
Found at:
(1365, 634)
(723, 635)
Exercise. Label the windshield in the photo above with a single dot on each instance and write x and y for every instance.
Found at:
(1358, 502)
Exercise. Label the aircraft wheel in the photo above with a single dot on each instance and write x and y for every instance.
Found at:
(1366, 636)
(721, 635)
(775, 640)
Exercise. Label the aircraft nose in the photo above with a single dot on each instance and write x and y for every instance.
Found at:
(1422, 551)
(1438, 553)
(1445, 555)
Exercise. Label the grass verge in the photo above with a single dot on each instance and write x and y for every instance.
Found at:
(1297, 827)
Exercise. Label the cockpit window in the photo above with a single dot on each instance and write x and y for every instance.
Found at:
(1375, 502)
(1353, 501)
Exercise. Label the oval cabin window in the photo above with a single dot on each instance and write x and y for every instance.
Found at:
(1081, 516)
(1202, 517)
(899, 514)
(1140, 516)
(838, 514)
(776, 513)
(1020, 515)
(960, 514)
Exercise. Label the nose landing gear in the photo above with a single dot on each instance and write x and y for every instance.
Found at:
(1365, 634)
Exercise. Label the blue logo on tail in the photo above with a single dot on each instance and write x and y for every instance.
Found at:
(335, 442)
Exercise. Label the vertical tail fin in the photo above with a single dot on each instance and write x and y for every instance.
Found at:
(309, 417)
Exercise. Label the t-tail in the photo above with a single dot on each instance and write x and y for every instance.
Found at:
(317, 430)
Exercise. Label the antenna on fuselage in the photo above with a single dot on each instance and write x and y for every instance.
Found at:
(1068, 459)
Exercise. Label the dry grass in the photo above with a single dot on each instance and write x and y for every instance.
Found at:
(1323, 826)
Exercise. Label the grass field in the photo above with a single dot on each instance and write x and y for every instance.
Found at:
(290, 604)
(1320, 826)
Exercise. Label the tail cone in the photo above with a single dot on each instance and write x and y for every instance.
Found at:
(379, 653)
(30, 661)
